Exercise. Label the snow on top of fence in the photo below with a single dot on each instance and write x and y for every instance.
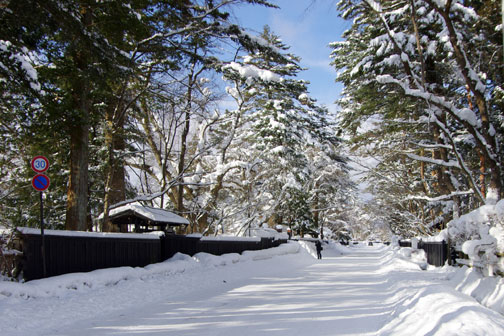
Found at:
(153, 235)
(231, 238)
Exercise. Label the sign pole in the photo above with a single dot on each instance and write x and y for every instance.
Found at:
(40, 182)
(44, 270)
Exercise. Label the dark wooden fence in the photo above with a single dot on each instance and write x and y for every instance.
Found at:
(66, 254)
(172, 244)
(437, 252)
(404, 243)
(70, 254)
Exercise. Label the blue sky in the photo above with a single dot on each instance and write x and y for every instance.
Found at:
(307, 27)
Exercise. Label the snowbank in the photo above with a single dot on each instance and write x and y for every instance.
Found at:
(416, 256)
(488, 291)
(338, 248)
(180, 263)
(330, 249)
(377, 290)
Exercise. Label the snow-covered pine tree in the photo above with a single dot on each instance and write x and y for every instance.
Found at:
(62, 38)
(179, 102)
(281, 123)
(93, 60)
(407, 63)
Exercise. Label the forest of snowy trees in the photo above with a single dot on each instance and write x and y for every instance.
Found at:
(165, 101)
(172, 103)
(426, 76)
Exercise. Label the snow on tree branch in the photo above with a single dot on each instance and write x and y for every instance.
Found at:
(450, 164)
(251, 71)
(22, 61)
(464, 115)
(440, 198)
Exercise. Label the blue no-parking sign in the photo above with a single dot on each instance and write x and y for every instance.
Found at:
(40, 182)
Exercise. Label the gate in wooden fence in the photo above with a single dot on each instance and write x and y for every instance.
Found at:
(437, 252)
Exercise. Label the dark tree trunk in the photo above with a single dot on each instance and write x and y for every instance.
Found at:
(78, 127)
(77, 194)
(115, 186)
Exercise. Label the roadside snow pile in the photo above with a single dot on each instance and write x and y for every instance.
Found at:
(480, 235)
(402, 258)
(330, 249)
(309, 247)
(338, 248)
(416, 256)
(60, 285)
(489, 291)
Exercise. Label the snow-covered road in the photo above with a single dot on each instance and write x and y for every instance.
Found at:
(367, 292)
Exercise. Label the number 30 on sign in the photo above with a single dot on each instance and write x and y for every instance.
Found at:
(40, 164)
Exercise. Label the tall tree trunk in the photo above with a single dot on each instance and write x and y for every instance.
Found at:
(115, 187)
(77, 193)
(181, 163)
(489, 146)
(183, 140)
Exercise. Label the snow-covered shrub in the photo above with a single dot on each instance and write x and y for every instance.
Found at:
(480, 235)
(266, 232)
(9, 257)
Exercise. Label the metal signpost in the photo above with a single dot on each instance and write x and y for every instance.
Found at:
(41, 182)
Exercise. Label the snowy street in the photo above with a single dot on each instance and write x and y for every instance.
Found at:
(369, 291)
(175, 167)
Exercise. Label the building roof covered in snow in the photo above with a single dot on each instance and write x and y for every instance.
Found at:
(143, 216)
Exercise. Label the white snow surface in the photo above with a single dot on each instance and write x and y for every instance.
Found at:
(360, 290)
(65, 233)
(251, 71)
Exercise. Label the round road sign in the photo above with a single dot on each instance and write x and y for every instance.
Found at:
(40, 182)
(39, 164)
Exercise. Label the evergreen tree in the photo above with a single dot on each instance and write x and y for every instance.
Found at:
(280, 124)
(406, 65)
(93, 61)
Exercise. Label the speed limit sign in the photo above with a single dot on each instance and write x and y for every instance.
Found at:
(40, 164)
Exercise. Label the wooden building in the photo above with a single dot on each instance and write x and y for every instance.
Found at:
(138, 218)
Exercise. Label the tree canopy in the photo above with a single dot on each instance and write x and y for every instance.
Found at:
(136, 101)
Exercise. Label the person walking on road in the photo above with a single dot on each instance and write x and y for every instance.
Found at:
(319, 247)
